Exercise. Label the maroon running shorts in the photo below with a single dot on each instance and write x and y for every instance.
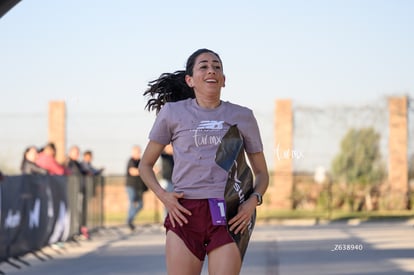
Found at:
(199, 234)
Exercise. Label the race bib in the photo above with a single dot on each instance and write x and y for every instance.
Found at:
(218, 211)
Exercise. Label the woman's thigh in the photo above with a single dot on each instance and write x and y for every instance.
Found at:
(179, 258)
(225, 259)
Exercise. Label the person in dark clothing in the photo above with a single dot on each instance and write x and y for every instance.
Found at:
(135, 187)
(29, 166)
(167, 163)
(87, 164)
(74, 167)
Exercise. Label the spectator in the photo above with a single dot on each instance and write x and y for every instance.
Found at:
(86, 164)
(74, 167)
(193, 117)
(46, 160)
(29, 166)
(135, 187)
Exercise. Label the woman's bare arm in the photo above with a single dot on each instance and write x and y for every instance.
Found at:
(240, 222)
(170, 199)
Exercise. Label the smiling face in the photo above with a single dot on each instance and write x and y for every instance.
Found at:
(208, 77)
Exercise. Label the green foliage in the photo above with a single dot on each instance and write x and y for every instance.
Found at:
(359, 160)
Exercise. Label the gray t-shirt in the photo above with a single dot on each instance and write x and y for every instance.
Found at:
(195, 134)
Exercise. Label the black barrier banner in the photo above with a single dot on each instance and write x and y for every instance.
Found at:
(33, 213)
(231, 157)
(60, 219)
(11, 216)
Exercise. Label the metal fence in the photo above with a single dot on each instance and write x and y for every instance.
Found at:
(318, 133)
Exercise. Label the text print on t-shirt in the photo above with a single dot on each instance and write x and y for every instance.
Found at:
(203, 133)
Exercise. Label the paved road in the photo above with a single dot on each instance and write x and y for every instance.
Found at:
(378, 248)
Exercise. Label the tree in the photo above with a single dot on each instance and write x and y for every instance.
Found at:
(359, 162)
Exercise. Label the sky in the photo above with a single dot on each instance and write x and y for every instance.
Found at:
(98, 56)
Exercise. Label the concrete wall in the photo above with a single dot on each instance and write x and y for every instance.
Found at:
(398, 152)
(57, 128)
(280, 192)
(116, 204)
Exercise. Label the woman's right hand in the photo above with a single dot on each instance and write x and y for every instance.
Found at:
(176, 211)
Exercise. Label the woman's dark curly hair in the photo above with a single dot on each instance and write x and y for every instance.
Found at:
(171, 87)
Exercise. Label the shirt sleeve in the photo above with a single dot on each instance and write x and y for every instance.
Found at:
(251, 134)
(56, 168)
(161, 129)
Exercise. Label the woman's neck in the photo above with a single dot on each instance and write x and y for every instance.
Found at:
(208, 103)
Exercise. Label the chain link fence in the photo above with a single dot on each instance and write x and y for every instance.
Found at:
(318, 133)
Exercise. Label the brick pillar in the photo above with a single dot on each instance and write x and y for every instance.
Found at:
(281, 189)
(57, 128)
(398, 150)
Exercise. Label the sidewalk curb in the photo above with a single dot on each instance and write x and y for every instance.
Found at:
(352, 222)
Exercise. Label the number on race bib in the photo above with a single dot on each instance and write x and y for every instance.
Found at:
(217, 211)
